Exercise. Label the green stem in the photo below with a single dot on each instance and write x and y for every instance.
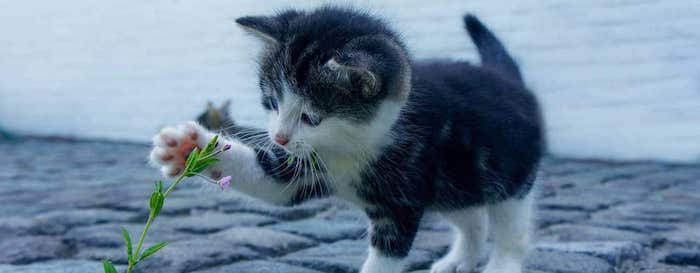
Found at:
(151, 217)
(172, 187)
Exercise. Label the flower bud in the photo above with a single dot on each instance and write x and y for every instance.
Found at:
(224, 182)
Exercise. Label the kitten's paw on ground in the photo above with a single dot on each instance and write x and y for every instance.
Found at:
(450, 265)
(173, 144)
(499, 266)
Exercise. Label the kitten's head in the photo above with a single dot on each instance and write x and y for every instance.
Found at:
(331, 79)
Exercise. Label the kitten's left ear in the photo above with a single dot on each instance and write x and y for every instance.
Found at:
(264, 27)
(269, 28)
(355, 68)
(225, 106)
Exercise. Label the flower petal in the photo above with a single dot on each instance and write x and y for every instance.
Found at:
(225, 182)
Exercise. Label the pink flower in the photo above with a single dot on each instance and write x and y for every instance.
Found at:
(224, 182)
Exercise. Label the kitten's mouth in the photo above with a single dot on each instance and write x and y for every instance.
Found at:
(296, 148)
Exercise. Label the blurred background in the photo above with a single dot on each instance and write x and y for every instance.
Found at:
(618, 79)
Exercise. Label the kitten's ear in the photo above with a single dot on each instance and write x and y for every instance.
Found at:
(355, 68)
(225, 106)
(210, 105)
(266, 28)
(269, 28)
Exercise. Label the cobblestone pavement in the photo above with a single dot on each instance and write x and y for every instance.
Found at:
(62, 203)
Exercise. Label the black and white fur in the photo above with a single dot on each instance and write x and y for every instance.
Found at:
(397, 138)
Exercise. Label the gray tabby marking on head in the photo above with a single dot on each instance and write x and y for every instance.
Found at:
(217, 118)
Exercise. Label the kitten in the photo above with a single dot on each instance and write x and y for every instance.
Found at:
(350, 114)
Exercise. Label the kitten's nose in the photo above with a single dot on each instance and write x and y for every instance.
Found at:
(281, 140)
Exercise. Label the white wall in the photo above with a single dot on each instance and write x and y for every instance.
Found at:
(617, 78)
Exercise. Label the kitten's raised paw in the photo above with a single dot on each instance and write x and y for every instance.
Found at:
(173, 144)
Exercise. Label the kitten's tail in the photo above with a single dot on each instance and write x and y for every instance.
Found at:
(493, 53)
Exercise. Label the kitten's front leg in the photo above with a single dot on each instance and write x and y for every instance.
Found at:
(391, 240)
(172, 145)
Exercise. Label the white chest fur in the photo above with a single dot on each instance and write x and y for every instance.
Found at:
(345, 169)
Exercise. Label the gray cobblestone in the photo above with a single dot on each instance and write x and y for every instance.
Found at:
(195, 254)
(258, 267)
(326, 228)
(212, 221)
(683, 257)
(55, 222)
(612, 252)
(109, 235)
(565, 262)
(55, 266)
(28, 249)
(583, 233)
(14, 226)
(268, 241)
(63, 214)
(661, 268)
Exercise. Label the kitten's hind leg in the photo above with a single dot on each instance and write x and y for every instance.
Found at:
(511, 225)
(471, 230)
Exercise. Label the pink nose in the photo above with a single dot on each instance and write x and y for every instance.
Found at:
(281, 140)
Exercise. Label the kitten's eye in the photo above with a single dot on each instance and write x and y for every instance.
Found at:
(308, 120)
(270, 104)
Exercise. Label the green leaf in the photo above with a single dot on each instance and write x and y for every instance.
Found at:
(207, 162)
(157, 197)
(191, 159)
(156, 202)
(203, 164)
(151, 250)
(159, 186)
(109, 268)
(127, 240)
(153, 201)
(209, 149)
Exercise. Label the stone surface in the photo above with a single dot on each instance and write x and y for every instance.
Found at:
(195, 254)
(612, 252)
(342, 256)
(549, 217)
(109, 235)
(268, 241)
(564, 262)
(582, 233)
(328, 227)
(55, 266)
(58, 221)
(64, 203)
(685, 257)
(661, 268)
(28, 249)
(210, 222)
(14, 226)
(258, 267)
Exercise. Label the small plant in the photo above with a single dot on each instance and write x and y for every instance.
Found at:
(197, 161)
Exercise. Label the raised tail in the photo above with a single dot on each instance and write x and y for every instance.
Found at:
(493, 53)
